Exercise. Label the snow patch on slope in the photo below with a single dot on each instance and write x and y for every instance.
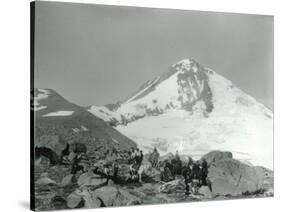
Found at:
(59, 113)
(44, 94)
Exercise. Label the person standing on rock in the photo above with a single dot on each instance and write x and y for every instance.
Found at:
(188, 174)
(133, 155)
(133, 174)
(154, 157)
(196, 170)
(187, 178)
(203, 172)
(77, 163)
(141, 157)
(115, 167)
(167, 175)
(137, 158)
(106, 172)
(204, 175)
(177, 164)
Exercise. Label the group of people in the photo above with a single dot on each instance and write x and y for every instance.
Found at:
(135, 160)
(135, 156)
(195, 173)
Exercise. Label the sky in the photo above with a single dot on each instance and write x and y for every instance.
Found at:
(97, 54)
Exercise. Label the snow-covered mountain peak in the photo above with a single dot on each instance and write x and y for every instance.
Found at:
(186, 65)
(183, 86)
(187, 86)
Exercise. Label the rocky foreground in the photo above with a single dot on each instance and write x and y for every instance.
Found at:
(56, 188)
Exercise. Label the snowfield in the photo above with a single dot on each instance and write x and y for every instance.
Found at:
(238, 124)
(59, 113)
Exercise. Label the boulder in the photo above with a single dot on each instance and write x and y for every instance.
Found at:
(214, 156)
(90, 179)
(113, 196)
(148, 173)
(152, 174)
(68, 179)
(73, 200)
(45, 180)
(83, 198)
(205, 191)
(58, 202)
(232, 177)
(172, 186)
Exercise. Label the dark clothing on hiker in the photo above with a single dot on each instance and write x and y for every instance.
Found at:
(187, 172)
(204, 173)
(115, 167)
(133, 174)
(167, 175)
(177, 165)
(76, 165)
(154, 157)
(140, 158)
(195, 171)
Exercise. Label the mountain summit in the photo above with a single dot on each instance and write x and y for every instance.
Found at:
(194, 110)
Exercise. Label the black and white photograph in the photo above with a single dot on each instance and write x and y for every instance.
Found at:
(146, 106)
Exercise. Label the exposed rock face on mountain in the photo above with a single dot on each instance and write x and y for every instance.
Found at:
(194, 110)
(59, 122)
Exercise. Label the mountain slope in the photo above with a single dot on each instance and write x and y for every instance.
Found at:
(195, 110)
(59, 121)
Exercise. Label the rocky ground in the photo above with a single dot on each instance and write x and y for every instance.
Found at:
(56, 188)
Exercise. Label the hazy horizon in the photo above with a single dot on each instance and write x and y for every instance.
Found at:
(96, 54)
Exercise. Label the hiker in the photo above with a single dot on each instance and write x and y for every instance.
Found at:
(177, 164)
(64, 155)
(204, 175)
(190, 161)
(195, 177)
(154, 156)
(133, 155)
(203, 172)
(137, 157)
(196, 170)
(106, 172)
(141, 157)
(133, 174)
(187, 178)
(78, 163)
(167, 175)
(115, 167)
